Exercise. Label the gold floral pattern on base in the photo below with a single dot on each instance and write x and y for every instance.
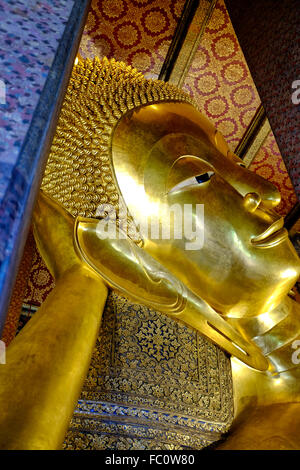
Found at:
(153, 383)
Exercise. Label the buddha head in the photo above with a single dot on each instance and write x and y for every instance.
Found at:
(142, 145)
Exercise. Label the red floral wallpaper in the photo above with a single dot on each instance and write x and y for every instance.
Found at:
(269, 163)
(219, 79)
(137, 32)
(39, 282)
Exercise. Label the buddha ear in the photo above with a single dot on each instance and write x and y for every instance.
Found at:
(130, 270)
(126, 267)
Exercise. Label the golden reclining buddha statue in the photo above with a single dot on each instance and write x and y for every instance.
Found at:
(143, 195)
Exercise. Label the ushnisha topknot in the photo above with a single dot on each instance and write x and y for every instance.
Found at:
(79, 174)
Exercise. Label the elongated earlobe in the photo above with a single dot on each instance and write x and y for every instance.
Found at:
(130, 270)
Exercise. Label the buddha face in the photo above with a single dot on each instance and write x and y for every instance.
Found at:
(169, 156)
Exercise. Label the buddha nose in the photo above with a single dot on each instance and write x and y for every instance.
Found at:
(251, 201)
(260, 189)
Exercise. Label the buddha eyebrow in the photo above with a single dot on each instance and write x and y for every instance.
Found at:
(196, 157)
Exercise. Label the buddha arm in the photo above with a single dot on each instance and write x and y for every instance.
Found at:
(48, 361)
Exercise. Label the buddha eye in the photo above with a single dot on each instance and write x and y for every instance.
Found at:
(204, 177)
(193, 181)
(242, 165)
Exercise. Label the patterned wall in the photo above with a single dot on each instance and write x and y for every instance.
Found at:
(269, 163)
(220, 81)
(29, 41)
(39, 283)
(269, 35)
(137, 32)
